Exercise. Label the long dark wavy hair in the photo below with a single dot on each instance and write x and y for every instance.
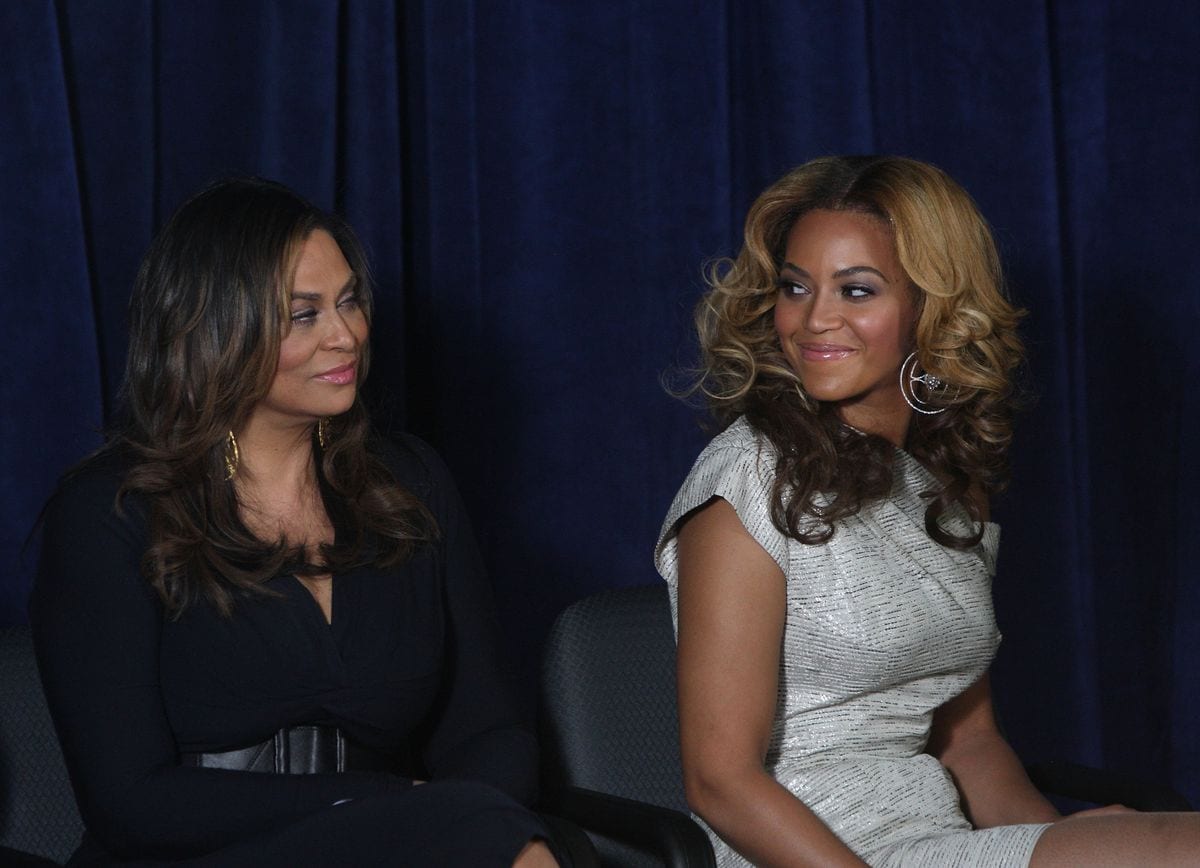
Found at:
(209, 309)
(965, 336)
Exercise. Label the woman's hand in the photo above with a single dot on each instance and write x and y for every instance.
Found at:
(535, 854)
(994, 787)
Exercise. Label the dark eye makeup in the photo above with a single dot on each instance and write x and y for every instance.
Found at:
(852, 291)
(790, 287)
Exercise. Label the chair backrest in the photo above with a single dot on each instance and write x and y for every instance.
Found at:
(37, 808)
(609, 718)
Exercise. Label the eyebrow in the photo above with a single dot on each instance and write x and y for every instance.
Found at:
(841, 272)
(316, 296)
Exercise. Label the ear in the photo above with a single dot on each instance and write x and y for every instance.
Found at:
(916, 306)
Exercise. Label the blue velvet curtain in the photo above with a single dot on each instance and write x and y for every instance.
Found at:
(539, 184)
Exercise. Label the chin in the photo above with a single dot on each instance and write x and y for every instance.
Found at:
(336, 410)
(824, 392)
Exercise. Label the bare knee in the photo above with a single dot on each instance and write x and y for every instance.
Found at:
(1120, 840)
(1179, 835)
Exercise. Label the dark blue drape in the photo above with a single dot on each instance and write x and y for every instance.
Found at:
(539, 184)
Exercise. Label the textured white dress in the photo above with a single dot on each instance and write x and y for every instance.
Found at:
(883, 625)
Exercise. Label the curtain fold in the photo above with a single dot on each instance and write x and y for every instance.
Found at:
(50, 391)
(539, 185)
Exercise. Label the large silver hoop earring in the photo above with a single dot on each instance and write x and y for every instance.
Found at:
(914, 385)
(232, 456)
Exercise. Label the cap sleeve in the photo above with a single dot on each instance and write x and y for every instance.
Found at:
(739, 467)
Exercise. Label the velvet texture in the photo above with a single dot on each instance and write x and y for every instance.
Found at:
(539, 183)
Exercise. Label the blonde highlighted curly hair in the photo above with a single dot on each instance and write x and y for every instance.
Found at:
(965, 336)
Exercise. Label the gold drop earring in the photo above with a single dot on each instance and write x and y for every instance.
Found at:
(232, 456)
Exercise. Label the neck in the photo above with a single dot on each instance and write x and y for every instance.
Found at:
(277, 457)
(892, 424)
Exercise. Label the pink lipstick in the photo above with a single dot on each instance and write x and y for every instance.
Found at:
(824, 352)
(342, 375)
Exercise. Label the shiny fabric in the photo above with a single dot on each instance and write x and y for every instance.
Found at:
(883, 626)
(296, 750)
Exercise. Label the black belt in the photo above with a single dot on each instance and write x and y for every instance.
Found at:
(297, 750)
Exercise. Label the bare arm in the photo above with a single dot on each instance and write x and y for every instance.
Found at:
(731, 613)
(994, 787)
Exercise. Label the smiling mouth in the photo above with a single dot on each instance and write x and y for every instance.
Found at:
(824, 352)
(342, 375)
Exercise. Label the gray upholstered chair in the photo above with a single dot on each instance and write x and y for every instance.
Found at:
(610, 730)
(38, 817)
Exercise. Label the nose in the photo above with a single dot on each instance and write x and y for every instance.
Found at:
(338, 334)
(823, 313)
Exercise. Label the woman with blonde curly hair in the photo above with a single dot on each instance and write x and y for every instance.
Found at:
(829, 557)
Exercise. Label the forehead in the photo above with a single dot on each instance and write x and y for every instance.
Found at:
(841, 239)
(319, 263)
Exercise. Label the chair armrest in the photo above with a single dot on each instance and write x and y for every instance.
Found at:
(1104, 787)
(20, 859)
(672, 836)
(569, 840)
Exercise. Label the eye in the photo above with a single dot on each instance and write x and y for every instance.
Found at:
(305, 316)
(857, 290)
(791, 289)
(350, 302)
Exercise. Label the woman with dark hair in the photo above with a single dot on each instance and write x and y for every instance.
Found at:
(829, 557)
(245, 580)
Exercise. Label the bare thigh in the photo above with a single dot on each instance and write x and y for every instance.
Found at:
(1118, 840)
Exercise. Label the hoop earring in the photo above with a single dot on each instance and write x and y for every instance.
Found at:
(930, 384)
(323, 432)
(232, 456)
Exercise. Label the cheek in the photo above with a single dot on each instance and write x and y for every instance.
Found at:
(889, 332)
(292, 353)
(785, 320)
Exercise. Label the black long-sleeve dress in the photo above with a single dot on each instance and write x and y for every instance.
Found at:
(408, 662)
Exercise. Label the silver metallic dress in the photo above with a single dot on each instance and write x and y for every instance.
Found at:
(883, 625)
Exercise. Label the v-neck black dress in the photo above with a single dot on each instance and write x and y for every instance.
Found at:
(409, 664)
